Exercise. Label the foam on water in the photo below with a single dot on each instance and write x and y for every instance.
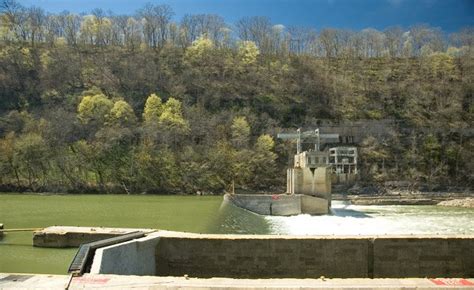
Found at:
(377, 220)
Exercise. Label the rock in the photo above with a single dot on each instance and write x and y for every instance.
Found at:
(465, 202)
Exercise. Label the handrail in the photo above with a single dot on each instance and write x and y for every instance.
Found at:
(83, 259)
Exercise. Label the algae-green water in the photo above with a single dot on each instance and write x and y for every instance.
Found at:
(199, 214)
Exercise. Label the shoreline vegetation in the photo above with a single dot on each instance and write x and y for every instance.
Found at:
(141, 103)
(387, 196)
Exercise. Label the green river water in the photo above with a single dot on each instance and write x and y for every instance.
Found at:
(199, 214)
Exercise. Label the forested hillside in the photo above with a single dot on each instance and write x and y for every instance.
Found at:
(142, 103)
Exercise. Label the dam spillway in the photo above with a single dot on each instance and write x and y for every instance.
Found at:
(280, 204)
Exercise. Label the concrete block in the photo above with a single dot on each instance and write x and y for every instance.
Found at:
(136, 257)
(314, 205)
(398, 257)
(274, 257)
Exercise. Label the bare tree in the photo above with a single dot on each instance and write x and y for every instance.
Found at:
(256, 29)
(36, 20)
(156, 20)
(393, 41)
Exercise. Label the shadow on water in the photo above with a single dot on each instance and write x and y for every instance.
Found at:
(230, 219)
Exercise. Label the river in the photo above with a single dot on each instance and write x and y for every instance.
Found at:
(199, 214)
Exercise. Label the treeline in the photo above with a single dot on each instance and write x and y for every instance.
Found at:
(152, 26)
(89, 109)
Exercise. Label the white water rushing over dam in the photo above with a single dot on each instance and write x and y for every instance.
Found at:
(349, 219)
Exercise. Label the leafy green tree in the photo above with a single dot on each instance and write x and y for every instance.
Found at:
(248, 52)
(172, 116)
(153, 109)
(200, 47)
(8, 162)
(240, 132)
(122, 115)
(31, 152)
(94, 109)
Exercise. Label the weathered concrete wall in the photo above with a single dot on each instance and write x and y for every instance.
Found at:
(136, 257)
(423, 257)
(280, 204)
(253, 256)
(261, 256)
(314, 205)
(306, 181)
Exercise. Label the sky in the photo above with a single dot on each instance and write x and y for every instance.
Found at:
(449, 15)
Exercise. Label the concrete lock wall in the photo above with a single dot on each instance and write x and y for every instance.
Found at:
(423, 257)
(177, 254)
(261, 257)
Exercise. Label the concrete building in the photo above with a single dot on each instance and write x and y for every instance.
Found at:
(330, 159)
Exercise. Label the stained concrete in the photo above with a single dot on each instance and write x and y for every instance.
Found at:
(63, 237)
(38, 281)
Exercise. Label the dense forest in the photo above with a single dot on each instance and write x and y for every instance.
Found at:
(143, 103)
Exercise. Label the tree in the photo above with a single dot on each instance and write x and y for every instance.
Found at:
(8, 159)
(32, 154)
(248, 52)
(200, 47)
(94, 109)
(122, 115)
(264, 167)
(240, 132)
(172, 117)
(155, 20)
(153, 109)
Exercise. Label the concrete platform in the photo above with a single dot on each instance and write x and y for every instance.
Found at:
(30, 281)
(65, 236)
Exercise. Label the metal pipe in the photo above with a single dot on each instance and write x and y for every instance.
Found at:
(20, 230)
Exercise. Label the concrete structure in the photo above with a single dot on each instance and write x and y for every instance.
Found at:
(279, 204)
(88, 281)
(332, 151)
(344, 164)
(135, 257)
(166, 253)
(63, 237)
(310, 181)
